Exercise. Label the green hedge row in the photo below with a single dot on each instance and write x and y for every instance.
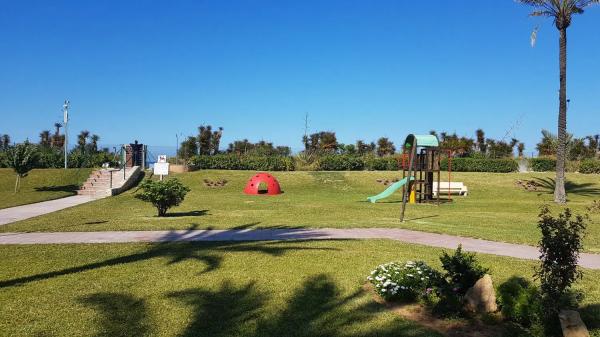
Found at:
(590, 166)
(481, 165)
(542, 164)
(235, 162)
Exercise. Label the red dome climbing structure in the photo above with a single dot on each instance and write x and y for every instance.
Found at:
(252, 187)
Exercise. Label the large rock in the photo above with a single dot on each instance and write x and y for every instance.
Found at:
(572, 325)
(481, 298)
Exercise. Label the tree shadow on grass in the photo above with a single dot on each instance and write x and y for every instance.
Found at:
(590, 314)
(585, 189)
(121, 315)
(317, 308)
(72, 188)
(189, 213)
(208, 254)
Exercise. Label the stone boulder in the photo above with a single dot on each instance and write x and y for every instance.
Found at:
(481, 298)
(572, 325)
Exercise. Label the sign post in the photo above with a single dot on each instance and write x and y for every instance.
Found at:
(161, 167)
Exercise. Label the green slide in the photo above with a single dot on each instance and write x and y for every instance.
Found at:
(389, 191)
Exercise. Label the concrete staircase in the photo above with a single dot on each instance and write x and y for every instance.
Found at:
(107, 182)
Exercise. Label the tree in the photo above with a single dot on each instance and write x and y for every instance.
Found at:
(22, 158)
(204, 136)
(4, 142)
(215, 140)
(561, 11)
(561, 242)
(480, 142)
(45, 138)
(94, 143)
(385, 147)
(521, 149)
(57, 140)
(163, 194)
(82, 139)
(188, 148)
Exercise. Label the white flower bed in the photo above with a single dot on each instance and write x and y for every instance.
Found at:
(403, 281)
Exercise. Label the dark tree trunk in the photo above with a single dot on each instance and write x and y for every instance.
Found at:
(560, 195)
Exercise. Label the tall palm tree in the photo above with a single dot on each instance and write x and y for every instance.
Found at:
(45, 138)
(561, 11)
(82, 139)
(94, 142)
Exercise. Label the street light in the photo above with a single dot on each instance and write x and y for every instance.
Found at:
(66, 122)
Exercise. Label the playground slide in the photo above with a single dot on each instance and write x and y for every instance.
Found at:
(389, 191)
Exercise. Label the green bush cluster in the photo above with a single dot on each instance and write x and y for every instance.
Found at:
(387, 163)
(443, 292)
(520, 302)
(590, 166)
(237, 162)
(481, 165)
(341, 163)
(542, 164)
(162, 194)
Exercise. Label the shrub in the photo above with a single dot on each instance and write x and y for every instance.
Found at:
(341, 163)
(462, 270)
(404, 281)
(387, 163)
(481, 165)
(560, 245)
(163, 194)
(22, 158)
(542, 164)
(237, 162)
(590, 166)
(520, 302)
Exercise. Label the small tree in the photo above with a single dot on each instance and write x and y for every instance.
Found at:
(22, 158)
(559, 247)
(163, 194)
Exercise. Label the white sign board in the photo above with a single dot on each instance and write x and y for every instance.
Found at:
(161, 169)
(162, 158)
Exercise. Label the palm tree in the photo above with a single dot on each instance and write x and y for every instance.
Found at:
(45, 138)
(5, 142)
(82, 139)
(94, 142)
(561, 11)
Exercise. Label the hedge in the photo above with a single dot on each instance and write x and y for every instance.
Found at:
(341, 163)
(388, 163)
(590, 166)
(235, 162)
(542, 164)
(481, 165)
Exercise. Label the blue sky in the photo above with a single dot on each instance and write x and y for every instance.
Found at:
(150, 69)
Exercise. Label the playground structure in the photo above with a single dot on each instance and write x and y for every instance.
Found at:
(254, 184)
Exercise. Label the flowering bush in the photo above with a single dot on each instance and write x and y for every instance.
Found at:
(404, 281)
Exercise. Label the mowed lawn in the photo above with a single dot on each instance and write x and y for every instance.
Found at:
(496, 208)
(265, 289)
(40, 185)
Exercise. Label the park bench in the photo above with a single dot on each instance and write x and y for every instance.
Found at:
(454, 187)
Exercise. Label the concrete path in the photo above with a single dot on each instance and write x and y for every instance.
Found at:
(591, 261)
(13, 214)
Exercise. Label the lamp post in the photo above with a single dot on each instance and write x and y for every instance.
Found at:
(66, 123)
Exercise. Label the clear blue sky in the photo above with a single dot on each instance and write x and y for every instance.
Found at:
(150, 69)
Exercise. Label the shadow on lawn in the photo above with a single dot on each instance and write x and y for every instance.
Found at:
(189, 213)
(72, 188)
(315, 309)
(584, 189)
(121, 315)
(208, 254)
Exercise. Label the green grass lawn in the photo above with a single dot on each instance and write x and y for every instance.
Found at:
(218, 289)
(40, 185)
(495, 209)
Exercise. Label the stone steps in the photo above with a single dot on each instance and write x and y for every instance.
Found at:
(99, 182)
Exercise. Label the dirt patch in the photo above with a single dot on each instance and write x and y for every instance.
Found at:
(473, 327)
(215, 183)
(528, 185)
(387, 181)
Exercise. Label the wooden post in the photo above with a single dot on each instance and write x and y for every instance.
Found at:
(411, 159)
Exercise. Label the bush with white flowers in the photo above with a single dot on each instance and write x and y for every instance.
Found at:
(404, 281)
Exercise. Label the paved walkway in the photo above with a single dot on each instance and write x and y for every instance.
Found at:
(13, 214)
(591, 261)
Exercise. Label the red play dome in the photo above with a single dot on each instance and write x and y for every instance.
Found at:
(254, 183)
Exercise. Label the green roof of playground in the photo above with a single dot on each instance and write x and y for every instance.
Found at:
(423, 140)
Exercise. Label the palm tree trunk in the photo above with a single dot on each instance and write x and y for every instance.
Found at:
(560, 195)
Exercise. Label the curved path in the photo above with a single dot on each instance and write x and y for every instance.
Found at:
(591, 261)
